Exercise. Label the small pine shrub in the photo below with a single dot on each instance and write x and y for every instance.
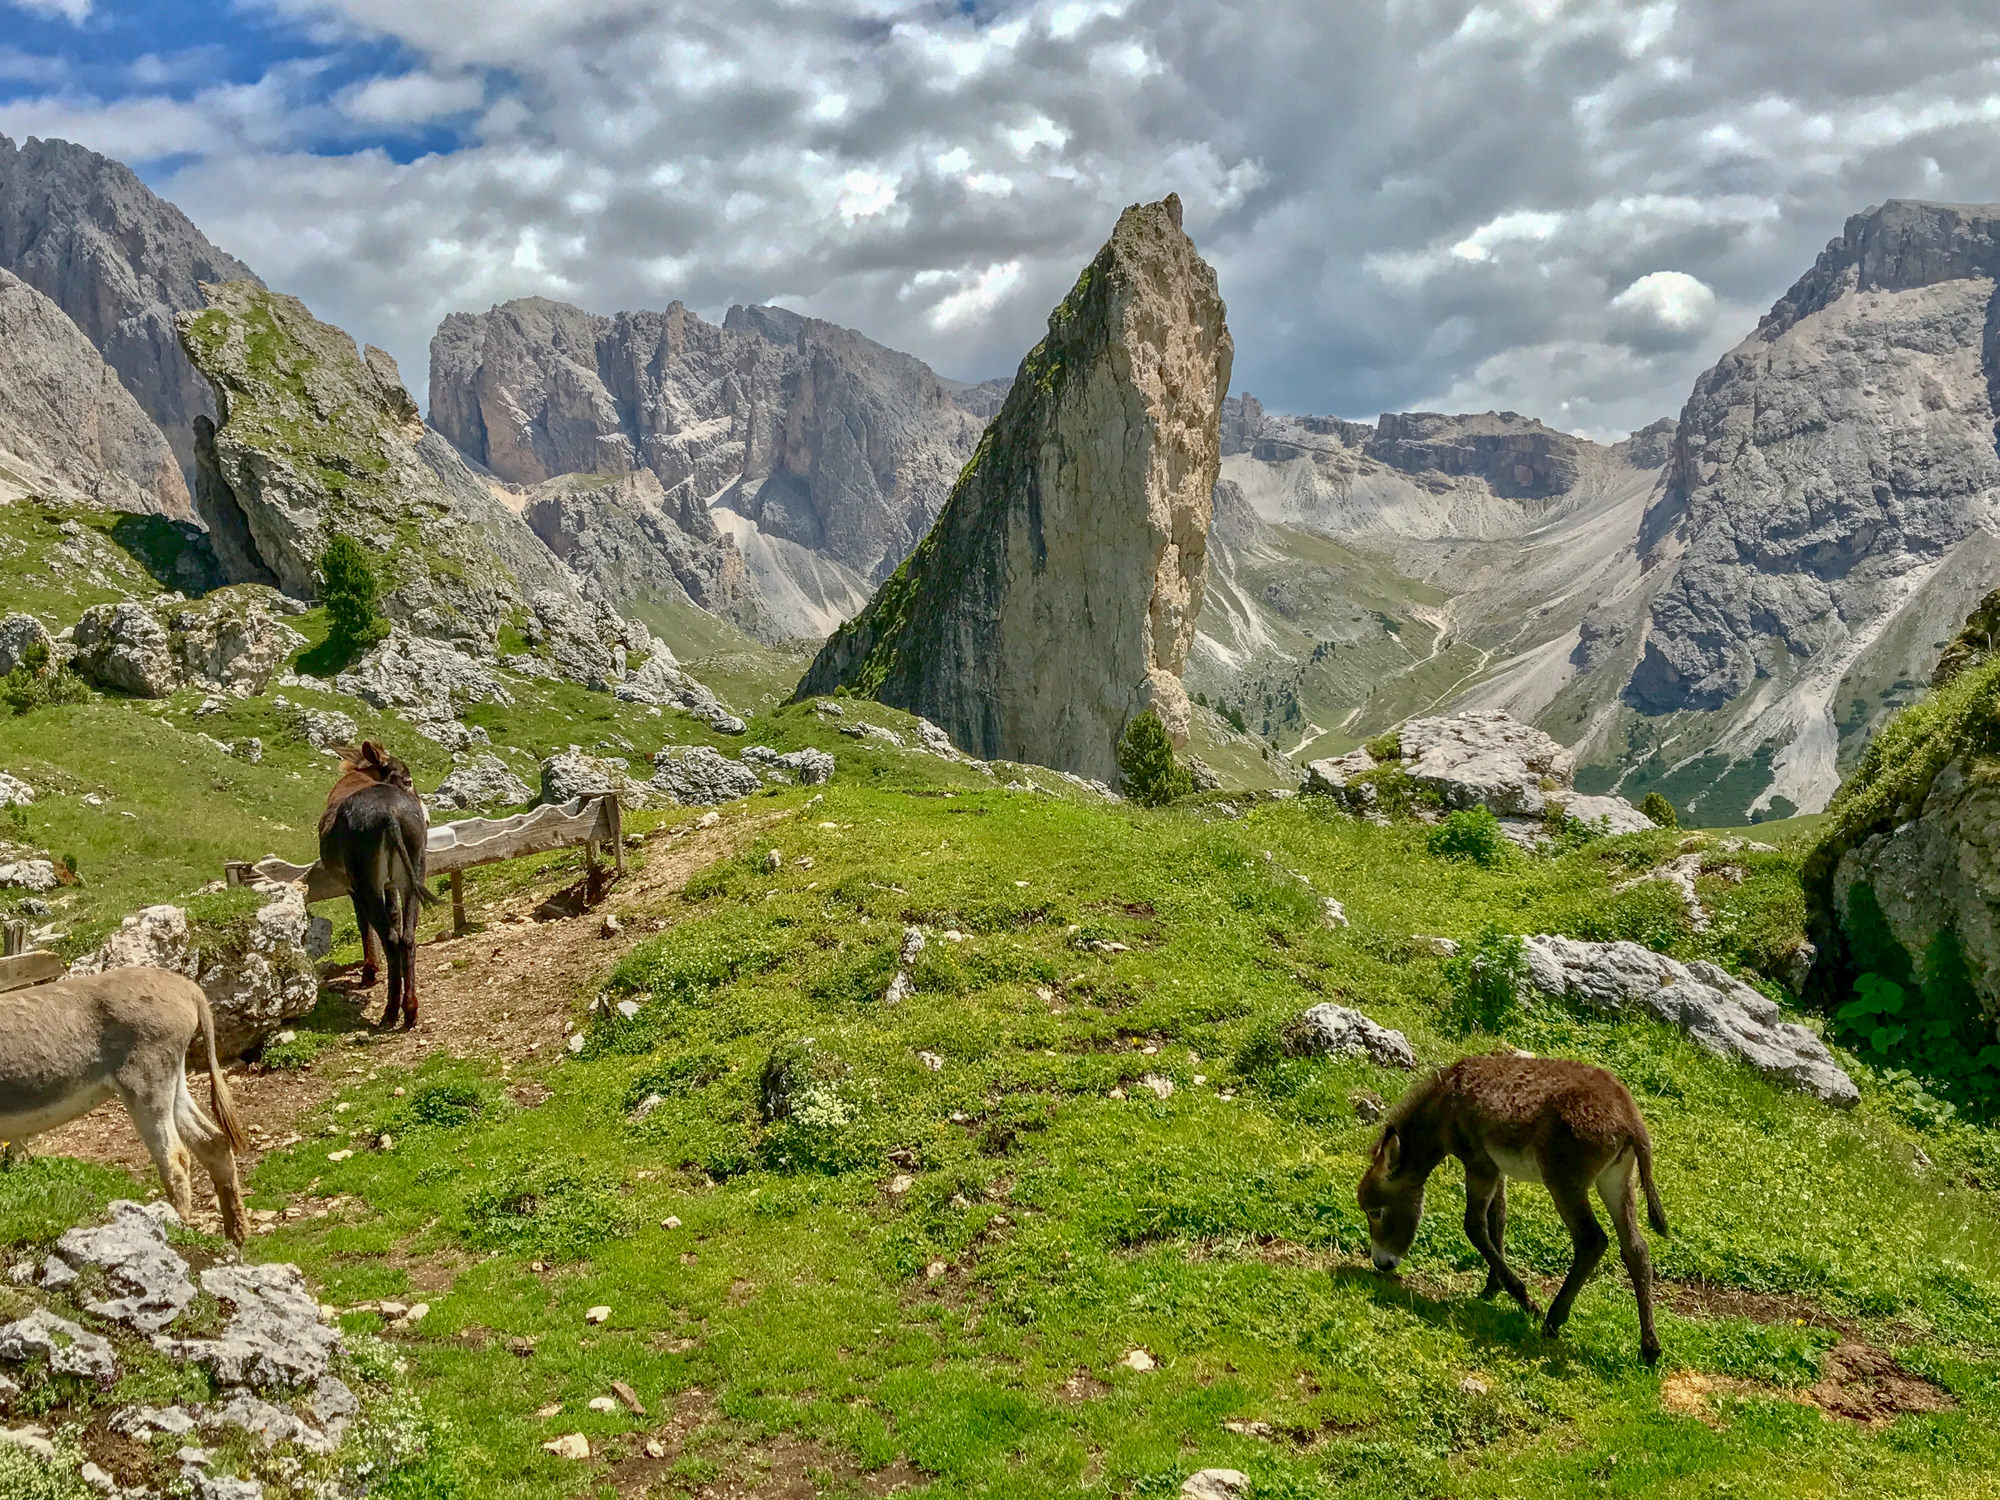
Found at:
(352, 595)
(1660, 810)
(1385, 746)
(1485, 981)
(1147, 769)
(1471, 833)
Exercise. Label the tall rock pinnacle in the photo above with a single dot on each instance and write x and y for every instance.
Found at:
(1056, 596)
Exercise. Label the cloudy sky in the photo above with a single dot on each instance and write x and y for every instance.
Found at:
(1563, 207)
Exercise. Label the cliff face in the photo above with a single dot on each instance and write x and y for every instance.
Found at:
(121, 262)
(1832, 505)
(816, 439)
(319, 437)
(67, 427)
(1056, 596)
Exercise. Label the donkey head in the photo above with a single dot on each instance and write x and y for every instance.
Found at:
(377, 764)
(1393, 1200)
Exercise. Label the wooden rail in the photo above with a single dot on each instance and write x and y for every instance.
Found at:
(595, 821)
(19, 970)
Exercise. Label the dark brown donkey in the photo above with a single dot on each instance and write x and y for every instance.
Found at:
(1566, 1125)
(373, 834)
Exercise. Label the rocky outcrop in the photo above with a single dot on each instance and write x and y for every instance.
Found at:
(230, 640)
(659, 681)
(1719, 1012)
(1834, 495)
(817, 441)
(1056, 596)
(483, 781)
(1480, 758)
(701, 776)
(257, 973)
(319, 438)
(1336, 1031)
(281, 1375)
(642, 548)
(68, 429)
(120, 262)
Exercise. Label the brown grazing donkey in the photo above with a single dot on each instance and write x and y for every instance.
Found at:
(1566, 1125)
(68, 1046)
(373, 834)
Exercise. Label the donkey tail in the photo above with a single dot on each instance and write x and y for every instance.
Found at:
(412, 862)
(218, 1086)
(1655, 1214)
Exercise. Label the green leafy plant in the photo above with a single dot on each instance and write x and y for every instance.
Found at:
(39, 682)
(352, 595)
(1146, 766)
(1660, 810)
(1471, 833)
(1485, 981)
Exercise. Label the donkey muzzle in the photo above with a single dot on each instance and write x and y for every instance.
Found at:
(1385, 1262)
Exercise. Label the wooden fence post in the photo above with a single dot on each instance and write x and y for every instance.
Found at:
(459, 926)
(13, 938)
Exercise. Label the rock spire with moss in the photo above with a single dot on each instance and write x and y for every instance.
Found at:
(1056, 596)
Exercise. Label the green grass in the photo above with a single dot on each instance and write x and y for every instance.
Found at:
(1069, 1225)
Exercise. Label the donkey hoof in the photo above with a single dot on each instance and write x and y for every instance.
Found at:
(1650, 1353)
(368, 977)
(1551, 1329)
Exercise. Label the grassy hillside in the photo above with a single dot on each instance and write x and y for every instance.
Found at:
(1083, 1136)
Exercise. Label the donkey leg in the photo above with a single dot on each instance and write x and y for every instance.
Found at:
(1617, 1185)
(1496, 1231)
(1573, 1203)
(211, 1147)
(371, 951)
(151, 1106)
(1481, 1192)
(412, 912)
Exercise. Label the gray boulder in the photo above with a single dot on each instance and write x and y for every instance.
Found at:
(483, 781)
(322, 728)
(1718, 1011)
(1485, 758)
(18, 633)
(421, 678)
(274, 1337)
(257, 976)
(702, 776)
(15, 792)
(1613, 815)
(661, 682)
(808, 766)
(125, 647)
(131, 1249)
(1335, 774)
(1336, 1031)
(571, 773)
(68, 1348)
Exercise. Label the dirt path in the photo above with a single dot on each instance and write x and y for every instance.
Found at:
(504, 992)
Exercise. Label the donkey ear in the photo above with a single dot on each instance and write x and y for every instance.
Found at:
(371, 754)
(1389, 1150)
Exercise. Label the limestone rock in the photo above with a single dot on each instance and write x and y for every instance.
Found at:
(322, 728)
(635, 544)
(827, 454)
(1718, 1011)
(1614, 815)
(317, 438)
(1339, 1032)
(1335, 774)
(274, 1338)
(68, 429)
(28, 874)
(124, 647)
(427, 681)
(15, 792)
(257, 975)
(1831, 497)
(1056, 596)
(18, 635)
(1485, 759)
(483, 781)
(1216, 1484)
(702, 776)
(131, 1249)
(571, 774)
(120, 262)
(659, 680)
(68, 1348)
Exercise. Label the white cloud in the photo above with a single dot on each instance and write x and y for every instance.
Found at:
(1407, 203)
(76, 12)
(1670, 300)
(410, 98)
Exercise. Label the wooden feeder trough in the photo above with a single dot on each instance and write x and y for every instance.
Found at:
(594, 820)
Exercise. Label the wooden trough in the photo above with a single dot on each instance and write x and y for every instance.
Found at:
(594, 820)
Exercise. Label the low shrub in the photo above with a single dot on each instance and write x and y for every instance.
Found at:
(38, 682)
(1660, 810)
(1484, 981)
(1147, 770)
(1471, 833)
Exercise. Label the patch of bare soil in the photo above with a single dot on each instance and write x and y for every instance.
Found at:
(504, 991)
(1858, 1383)
(1700, 1299)
(782, 1467)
